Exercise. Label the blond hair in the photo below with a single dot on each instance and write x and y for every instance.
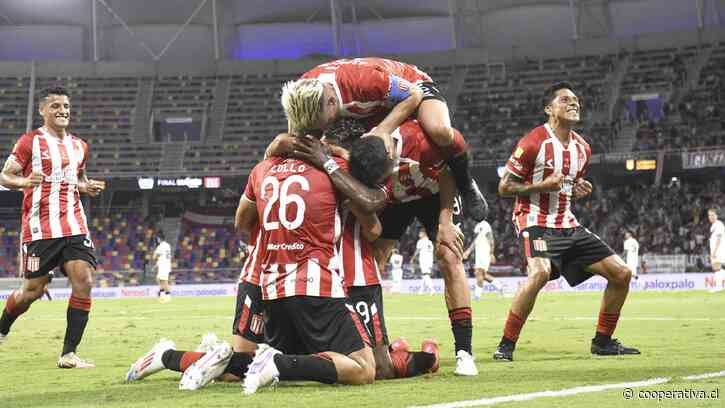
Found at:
(302, 104)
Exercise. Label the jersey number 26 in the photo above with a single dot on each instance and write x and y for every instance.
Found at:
(280, 192)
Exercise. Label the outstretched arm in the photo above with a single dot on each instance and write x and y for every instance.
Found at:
(367, 199)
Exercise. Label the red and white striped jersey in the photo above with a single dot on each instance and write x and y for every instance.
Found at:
(417, 163)
(52, 209)
(358, 266)
(368, 86)
(536, 157)
(296, 249)
(250, 270)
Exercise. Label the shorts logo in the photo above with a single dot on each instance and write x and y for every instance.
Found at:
(256, 326)
(32, 264)
(539, 245)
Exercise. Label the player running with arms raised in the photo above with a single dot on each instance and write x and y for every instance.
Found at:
(544, 173)
(48, 165)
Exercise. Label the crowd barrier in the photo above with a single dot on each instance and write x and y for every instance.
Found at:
(655, 282)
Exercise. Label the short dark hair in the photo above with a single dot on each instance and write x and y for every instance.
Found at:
(53, 90)
(369, 160)
(160, 234)
(551, 91)
(345, 131)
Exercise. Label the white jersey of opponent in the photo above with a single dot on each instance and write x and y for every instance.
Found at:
(425, 254)
(631, 253)
(717, 231)
(483, 246)
(163, 254)
(396, 261)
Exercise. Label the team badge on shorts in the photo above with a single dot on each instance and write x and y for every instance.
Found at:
(539, 245)
(256, 326)
(32, 264)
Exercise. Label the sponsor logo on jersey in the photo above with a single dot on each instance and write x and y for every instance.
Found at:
(516, 164)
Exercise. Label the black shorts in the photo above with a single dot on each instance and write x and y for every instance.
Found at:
(571, 250)
(397, 218)
(248, 319)
(367, 301)
(310, 325)
(42, 256)
(431, 91)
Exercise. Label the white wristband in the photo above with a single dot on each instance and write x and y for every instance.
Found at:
(330, 166)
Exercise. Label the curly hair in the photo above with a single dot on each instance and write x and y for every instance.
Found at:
(345, 131)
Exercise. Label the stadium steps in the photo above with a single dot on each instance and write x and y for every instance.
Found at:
(142, 114)
(455, 86)
(693, 74)
(173, 156)
(616, 85)
(172, 227)
(219, 109)
(625, 140)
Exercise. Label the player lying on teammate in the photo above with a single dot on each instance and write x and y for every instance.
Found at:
(48, 165)
(545, 172)
(365, 87)
(420, 188)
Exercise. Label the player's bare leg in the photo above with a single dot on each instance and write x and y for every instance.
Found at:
(435, 119)
(80, 275)
(618, 276)
(539, 272)
(458, 301)
(20, 300)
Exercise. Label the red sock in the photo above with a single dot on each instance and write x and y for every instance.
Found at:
(607, 323)
(456, 148)
(189, 358)
(513, 327)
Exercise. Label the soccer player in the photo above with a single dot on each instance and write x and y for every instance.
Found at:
(303, 294)
(365, 296)
(162, 256)
(424, 251)
(717, 249)
(365, 87)
(631, 253)
(544, 173)
(484, 245)
(396, 266)
(421, 188)
(48, 165)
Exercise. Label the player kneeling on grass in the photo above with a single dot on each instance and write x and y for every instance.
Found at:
(544, 173)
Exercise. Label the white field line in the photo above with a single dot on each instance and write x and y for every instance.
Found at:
(547, 394)
(705, 375)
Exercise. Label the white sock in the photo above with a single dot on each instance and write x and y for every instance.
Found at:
(497, 284)
(719, 278)
(478, 291)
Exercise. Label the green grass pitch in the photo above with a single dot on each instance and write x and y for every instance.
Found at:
(679, 334)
